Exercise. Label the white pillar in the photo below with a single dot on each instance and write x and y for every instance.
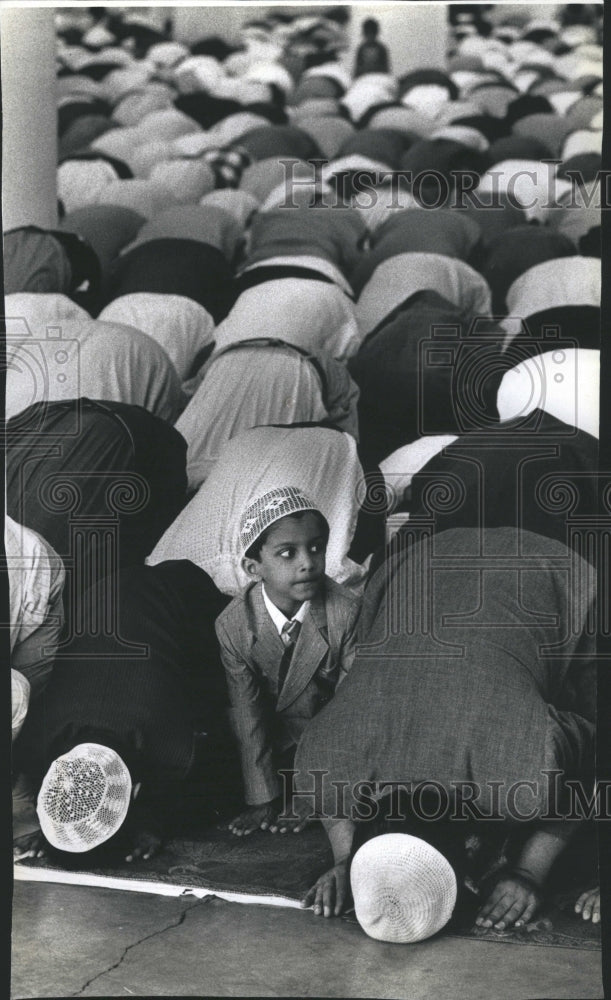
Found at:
(416, 34)
(29, 111)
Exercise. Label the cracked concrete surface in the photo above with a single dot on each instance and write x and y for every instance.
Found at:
(76, 941)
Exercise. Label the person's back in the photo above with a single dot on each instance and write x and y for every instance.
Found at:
(371, 55)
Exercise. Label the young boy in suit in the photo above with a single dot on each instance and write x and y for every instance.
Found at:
(285, 644)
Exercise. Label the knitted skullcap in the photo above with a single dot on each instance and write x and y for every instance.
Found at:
(84, 798)
(404, 890)
(269, 508)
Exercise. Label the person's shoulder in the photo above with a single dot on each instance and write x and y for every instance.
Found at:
(340, 598)
(237, 611)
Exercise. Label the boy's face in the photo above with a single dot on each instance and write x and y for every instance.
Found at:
(291, 562)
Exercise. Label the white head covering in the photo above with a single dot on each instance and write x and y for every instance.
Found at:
(265, 510)
(167, 54)
(471, 137)
(167, 124)
(582, 141)
(80, 182)
(404, 890)
(367, 90)
(323, 463)
(400, 468)
(234, 126)
(20, 700)
(189, 180)
(566, 281)
(84, 798)
(252, 387)
(530, 183)
(146, 197)
(564, 383)
(94, 359)
(143, 158)
(428, 98)
(240, 204)
(179, 325)
(32, 312)
(197, 73)
(398, 277)
(314, 315)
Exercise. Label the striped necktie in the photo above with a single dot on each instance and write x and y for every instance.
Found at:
(289, 634)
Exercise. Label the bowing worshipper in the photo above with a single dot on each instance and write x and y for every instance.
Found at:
(315, 316)
(207, 224)
(417, 230)
(45, 260)
(396, 279)
(435, 166)
(416, 710)
(104, 361)
(286, 644)
(255, 383)
(183, 328)
(500, 476)
(86, 473)
(81, 182)
(239, 204)
(107, 228)
(564, 383)
(279, 142)
(175, 267)
(515, 251)
(560, 295)
(131, 730)
(321, 460)
(36, 581)
(320, 244)
(416, 371)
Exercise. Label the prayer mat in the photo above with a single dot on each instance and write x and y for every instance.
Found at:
(277, 870)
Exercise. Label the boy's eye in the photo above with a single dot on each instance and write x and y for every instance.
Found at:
(285, 553)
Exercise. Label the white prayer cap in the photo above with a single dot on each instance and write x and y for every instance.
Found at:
(404, 890)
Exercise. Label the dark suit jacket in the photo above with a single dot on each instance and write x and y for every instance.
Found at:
(265, 722)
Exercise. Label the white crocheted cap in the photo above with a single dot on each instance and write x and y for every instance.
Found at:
(265, 510)
(404, 890)
(84, 798)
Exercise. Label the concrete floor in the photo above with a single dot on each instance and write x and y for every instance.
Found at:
(74, 941)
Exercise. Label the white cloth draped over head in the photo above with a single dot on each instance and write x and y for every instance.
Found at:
(579, 211)
(94, 359)
(319, 462)
(530, 184)
(252, 386)
(142, 159)
(203, 223)
(386, 200)
(368, 90)
(32, 312)
(399, 277)
(240, 204)
(566, 281)
(36, 578)
(189, 180)
(230, 129)
(400, 468)
(132, 108)
(146, 197)
(80, 182)
(181, 326)
(314, 315)
(564, 383)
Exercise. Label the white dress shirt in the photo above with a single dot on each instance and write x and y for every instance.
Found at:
(279, 618)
